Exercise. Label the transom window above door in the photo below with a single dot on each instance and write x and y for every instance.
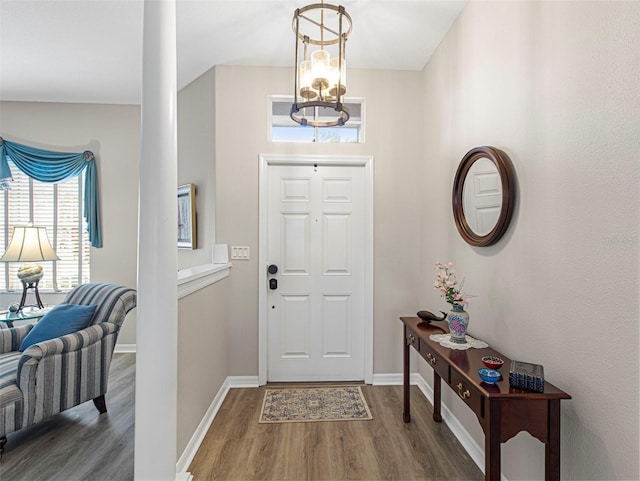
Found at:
(284, 129)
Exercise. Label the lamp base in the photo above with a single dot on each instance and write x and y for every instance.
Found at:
(25, 287)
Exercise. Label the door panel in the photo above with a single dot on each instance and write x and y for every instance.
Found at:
(296, 241)
(295, 322)
(337, 244)
(482, 196)
(315, 234)
(337, 326)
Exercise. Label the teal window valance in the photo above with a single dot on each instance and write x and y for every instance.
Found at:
(49, 166)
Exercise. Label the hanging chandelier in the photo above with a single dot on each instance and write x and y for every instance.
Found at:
(320, 75)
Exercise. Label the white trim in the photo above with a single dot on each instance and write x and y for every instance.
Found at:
(395, 379)
(242, 381)
(365, 161)
(125, 349)
(392, 379)
(196, 278)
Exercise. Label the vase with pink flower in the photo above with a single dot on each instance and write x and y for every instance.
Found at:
(451, 291)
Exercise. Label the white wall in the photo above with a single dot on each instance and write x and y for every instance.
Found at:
(556, 85)
(112, 132)
(392, 136)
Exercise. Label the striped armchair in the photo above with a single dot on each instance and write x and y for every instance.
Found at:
(52, 376)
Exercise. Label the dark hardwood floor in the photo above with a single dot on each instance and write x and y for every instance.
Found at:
(238, 448)
(79, 444)
(82, 445)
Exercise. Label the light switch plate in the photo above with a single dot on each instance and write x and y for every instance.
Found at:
(240, 253)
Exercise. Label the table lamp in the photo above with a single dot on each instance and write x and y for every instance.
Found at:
(29, 244)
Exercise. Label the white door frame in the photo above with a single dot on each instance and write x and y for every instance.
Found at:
(366, 161)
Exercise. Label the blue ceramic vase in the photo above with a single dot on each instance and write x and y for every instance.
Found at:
(458, 320)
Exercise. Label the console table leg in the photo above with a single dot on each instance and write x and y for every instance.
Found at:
(406, 415)
(492, 443)
(437, 390)
(552, 447)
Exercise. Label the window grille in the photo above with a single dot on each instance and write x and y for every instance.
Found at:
(284, 129)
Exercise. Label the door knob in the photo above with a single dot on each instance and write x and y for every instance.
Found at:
(272, 269)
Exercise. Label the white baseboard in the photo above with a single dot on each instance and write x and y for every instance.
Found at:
(243, 381)
(184, 476)
(125, 348)
(391, 379)
(395, 379)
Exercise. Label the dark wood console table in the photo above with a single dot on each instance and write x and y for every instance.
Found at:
(503, 411)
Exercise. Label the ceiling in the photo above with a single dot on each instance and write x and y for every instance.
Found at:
(91, 50)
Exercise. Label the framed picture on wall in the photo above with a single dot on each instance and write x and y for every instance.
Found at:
(187, 216)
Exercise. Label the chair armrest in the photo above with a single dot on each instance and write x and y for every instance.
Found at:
(11, 338)
(71, 342)
(61, 345)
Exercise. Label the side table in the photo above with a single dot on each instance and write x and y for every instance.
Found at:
(502, 411)
(26, 314)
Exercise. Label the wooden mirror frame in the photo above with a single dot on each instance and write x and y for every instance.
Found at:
(507, 179)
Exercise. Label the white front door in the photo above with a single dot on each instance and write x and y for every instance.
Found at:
(316, 238)
(482, 196)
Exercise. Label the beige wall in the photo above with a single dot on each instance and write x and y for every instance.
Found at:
(112, 132)
(202, 316)
(202, 355)
(556, 85)
(393, 136)
(196, 141)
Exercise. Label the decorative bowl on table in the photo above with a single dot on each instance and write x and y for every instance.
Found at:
(492, 362)
(490, 376)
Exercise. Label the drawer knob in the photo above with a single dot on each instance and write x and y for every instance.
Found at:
(431, 358)
(412, 338)
(463, 394)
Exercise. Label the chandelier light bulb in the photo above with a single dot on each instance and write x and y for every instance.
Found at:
(320, 60)
(337, 75)
(306, 78)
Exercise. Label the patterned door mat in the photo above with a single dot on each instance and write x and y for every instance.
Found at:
(309, 404)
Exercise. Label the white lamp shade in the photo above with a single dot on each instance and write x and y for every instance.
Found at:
(29, 244)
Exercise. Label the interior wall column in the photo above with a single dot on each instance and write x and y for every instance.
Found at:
(156, 332)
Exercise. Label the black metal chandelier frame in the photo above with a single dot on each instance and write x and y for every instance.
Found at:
(323, 95)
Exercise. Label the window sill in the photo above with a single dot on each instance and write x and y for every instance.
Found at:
(196, 278)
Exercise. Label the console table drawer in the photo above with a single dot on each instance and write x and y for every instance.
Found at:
(467, 393)
(438, 364)
(412, 339)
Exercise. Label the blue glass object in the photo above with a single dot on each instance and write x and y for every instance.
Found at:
(490, 376)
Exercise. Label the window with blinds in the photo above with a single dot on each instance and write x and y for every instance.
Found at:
(58, 207)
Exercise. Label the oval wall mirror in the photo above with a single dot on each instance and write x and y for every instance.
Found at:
(483, 196)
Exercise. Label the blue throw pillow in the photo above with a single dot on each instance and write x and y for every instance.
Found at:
(61, 320)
